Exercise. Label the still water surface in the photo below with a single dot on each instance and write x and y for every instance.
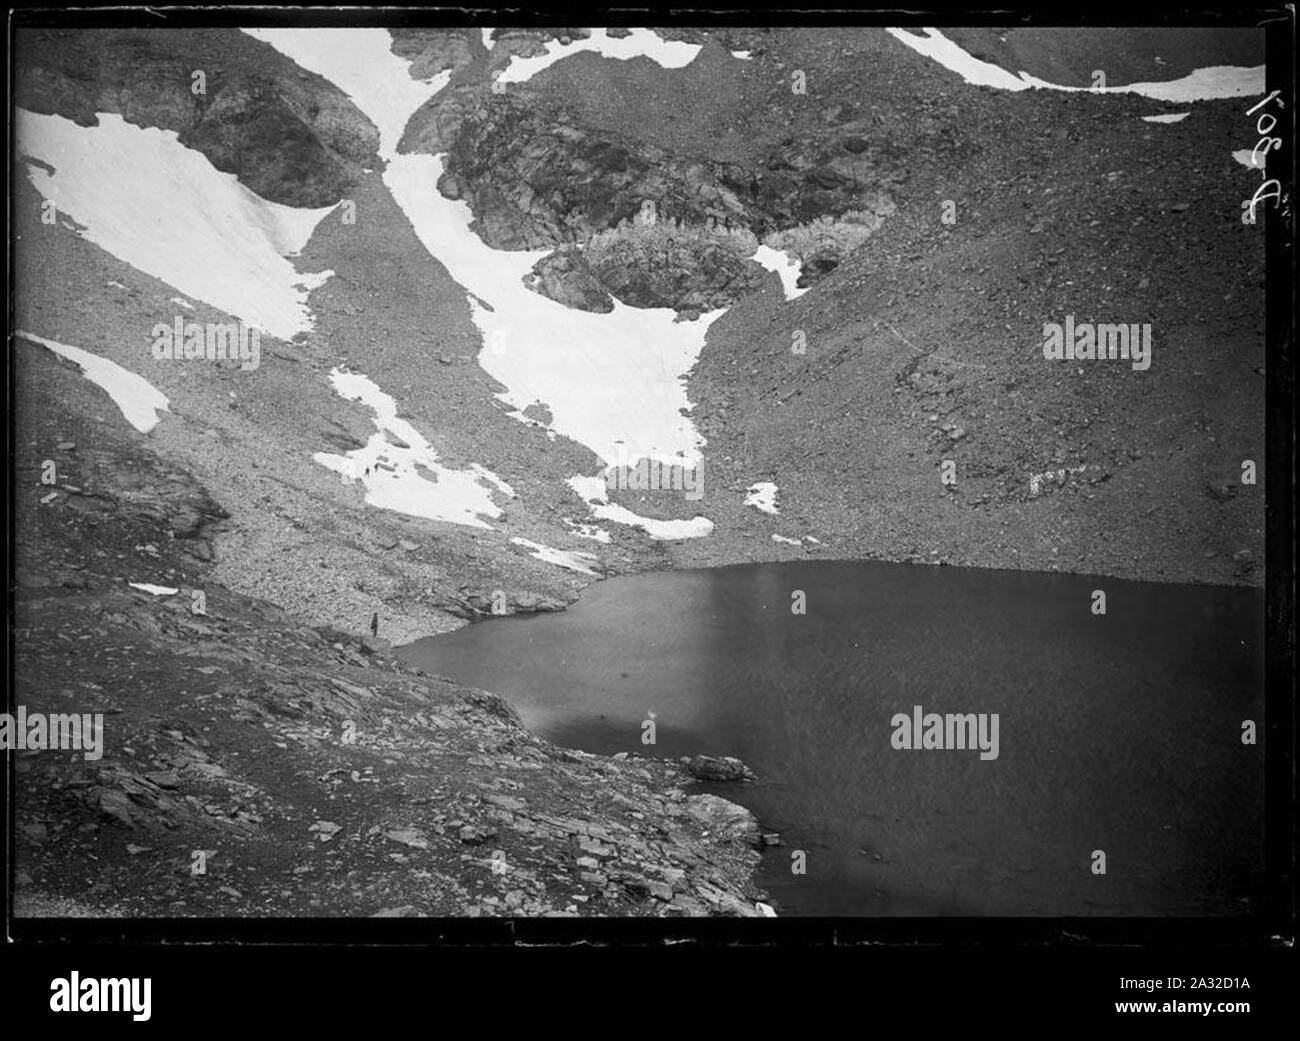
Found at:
(1119, 733)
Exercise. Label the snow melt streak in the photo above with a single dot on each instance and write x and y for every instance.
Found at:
(139, 400)
(1216, 81)
(565, 558)
(149, 587)
(592, 491)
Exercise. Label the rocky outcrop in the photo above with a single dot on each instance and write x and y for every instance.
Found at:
(434, 126)
(657, 230)
(156, 497)
(823, 244)
(287, 134)
(725, 819)
(473, 605)
(565, 276)
(431, 51)
(527, 42)
(535, 177)
(690, 269)
(305, 781)
(715, 768)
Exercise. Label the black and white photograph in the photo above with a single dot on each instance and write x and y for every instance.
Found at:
(811, 469)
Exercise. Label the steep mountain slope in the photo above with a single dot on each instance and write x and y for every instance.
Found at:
(1133, 54)
(925, 346)
(427, 434)
(934, 326)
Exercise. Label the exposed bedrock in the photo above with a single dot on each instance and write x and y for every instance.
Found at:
(287, 134)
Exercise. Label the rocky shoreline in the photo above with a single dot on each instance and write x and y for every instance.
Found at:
(304, 773)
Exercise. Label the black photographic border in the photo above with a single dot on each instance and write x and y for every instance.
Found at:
(1272, 928)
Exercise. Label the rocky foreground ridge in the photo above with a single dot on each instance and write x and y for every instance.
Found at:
(307, 773)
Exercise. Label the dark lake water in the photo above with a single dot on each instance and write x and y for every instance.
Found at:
(1118, 732)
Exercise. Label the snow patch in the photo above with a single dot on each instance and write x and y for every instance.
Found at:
(182, 302)
(565, 558)
(165, 210)
(787, 268)
(787, 541)
(139, 400)
(606, 378)
(1215, 81)
(592, 491)
(1246, 157)
(394, 480)
(1168, 117)
(762, 496)
(670, 54)
(742, 55)
(148, 587)
(487, 39)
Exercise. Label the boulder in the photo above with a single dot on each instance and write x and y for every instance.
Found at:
(714, 768)
(563, 276)
(724, 819)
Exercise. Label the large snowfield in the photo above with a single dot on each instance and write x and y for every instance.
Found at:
(613, 382)
(167, 211)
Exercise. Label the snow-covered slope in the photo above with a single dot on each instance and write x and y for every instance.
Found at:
(400, 469)
(606, 378)
(613, 382)
(167, 211)
(1219, 81)
(139, 400)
